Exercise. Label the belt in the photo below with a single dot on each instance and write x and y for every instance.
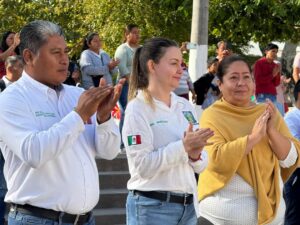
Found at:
(99, 75)
(186, 199)
(79, 219)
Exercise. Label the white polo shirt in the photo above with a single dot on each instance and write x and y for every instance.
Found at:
(153, 141)
(49, 152)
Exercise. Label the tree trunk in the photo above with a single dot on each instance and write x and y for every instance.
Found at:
(199, 36)
(287, 58)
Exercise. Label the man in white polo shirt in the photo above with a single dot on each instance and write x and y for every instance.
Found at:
(51, 133)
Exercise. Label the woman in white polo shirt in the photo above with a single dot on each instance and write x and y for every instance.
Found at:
(162, 140)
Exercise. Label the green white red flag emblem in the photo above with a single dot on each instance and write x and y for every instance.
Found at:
(134, 140)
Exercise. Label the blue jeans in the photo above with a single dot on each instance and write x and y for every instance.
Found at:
(122, 105)
(18, 218)
(147, 211)
(280, 107)
(261, 98)
(2, 209)
(291, 194)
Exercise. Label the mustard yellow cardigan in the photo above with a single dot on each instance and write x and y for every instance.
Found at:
(231, 125)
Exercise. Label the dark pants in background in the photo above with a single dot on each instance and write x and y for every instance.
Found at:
(291, 194)
(3, 190)
(122, 105)
(96, 79)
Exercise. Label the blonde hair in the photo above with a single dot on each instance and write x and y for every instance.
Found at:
(153, 49)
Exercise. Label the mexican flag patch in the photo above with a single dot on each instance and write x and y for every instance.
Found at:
(134, 140)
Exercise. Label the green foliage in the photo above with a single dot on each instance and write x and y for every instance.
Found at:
(257, 20)
(168, 18)
(154, 17)
(238, 21)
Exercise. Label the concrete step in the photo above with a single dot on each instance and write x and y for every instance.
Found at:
(113, 179)
(117, 164)
(112, 198)
(113, 175)
(116, 216)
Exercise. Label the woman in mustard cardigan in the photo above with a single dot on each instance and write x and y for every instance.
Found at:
(252, 154)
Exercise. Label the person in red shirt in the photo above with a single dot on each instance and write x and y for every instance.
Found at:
(267, 75)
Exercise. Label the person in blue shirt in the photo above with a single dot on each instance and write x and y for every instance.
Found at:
(292, 186)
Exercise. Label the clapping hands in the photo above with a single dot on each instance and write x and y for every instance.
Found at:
(265, 123)
(194, 141)
(99, 99)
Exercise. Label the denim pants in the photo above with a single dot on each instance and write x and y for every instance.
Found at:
(261, 98)
(122, 105)
(2, 210)
(291, 194)
(18, 218)
(147, 211)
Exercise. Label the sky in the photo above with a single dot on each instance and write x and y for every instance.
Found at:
(254, 49)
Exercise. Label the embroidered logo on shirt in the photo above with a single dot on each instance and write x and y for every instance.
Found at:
(158, 122)
(190, 117)
(134, 140)
(44, 114)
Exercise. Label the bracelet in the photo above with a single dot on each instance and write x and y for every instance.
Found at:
(195, 160)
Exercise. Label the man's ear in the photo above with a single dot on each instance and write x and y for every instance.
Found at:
(9, 68)
(27, 56)
(151, 65)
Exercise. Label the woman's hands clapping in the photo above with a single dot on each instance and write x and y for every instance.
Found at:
(272, 111)
(259, 129)
(264, 125)
(194, 141)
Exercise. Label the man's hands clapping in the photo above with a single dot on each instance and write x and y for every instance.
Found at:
(99, 99)
(105, 107)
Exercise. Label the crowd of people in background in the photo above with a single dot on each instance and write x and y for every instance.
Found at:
(55, 118)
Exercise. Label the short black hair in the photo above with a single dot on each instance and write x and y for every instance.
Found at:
(211, 61)
(271, 46)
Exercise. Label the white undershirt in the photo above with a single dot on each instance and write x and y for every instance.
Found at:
(236, 204)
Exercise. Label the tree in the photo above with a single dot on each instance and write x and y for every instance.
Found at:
(166, 18)
(154, 17)
(238, 21)
(257, 20)
(68, 14)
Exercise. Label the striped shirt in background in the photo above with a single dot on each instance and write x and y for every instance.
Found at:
(185, 84)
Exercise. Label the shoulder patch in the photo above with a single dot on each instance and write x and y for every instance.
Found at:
(134, 140)
(190, 117)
